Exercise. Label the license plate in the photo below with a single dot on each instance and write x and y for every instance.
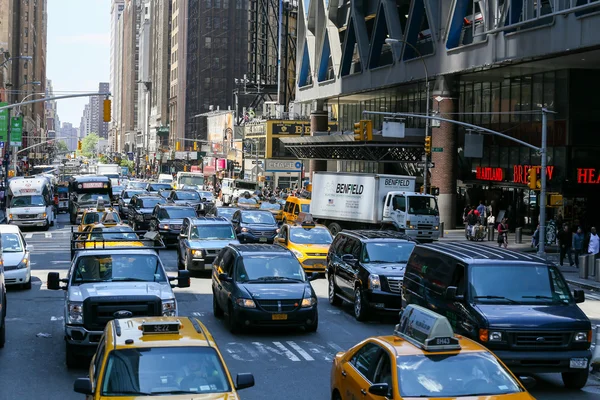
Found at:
(319, 266)
(579, 363)
(262, 239)
(279, 317)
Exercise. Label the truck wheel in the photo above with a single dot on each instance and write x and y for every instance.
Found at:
(70, 357)
(47, 226)
(334, 300)
(575, 380)
(334, 228)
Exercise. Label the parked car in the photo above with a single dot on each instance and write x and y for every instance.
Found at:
(255, 226)
(16, 257)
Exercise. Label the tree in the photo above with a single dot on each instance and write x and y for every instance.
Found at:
(89, 144)
(62, 147)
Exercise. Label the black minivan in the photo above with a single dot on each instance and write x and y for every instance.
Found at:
(516, 304)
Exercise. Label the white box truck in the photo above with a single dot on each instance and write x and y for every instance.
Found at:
(113, 171)
(30, 202)
(374, 201)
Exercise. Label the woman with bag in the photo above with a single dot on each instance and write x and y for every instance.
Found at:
(503, 233)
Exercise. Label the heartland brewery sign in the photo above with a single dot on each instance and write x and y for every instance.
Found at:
(588, 176)
(290, 127)
(520, 173)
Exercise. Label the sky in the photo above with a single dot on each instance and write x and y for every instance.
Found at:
(78, 55)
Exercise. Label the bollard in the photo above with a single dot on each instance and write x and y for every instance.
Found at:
(519, 235)
(598, 271)
(591, 265)
(441, 229)
(491, 232)
(583, 266)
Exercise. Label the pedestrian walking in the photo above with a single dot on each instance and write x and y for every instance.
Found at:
(565, 241)
(535, 239)
(503, 233)
(578, 239)
(481, 208)
(594, 242)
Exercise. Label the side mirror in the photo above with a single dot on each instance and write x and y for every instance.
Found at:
(225, 278)
(451, 294)
(348, 258)
(244, 380)
(579, 296)
(380, 389)
(527, 381)
(183, 279)
(53, 281)
(280, 240)
(83, 386)
(313, 276)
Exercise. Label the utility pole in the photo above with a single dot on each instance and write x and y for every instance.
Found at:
(544, 156)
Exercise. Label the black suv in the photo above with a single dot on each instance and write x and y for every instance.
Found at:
(366, 268)
(167, 220)
(140, 210)
(262, 285)
(255, 226)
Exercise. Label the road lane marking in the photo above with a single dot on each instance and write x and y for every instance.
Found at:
(264, 350)
(335, 346)
(286, 352)
(56, 318)
(198, 314)
(28, 235)
(300, 351)
(48, 235)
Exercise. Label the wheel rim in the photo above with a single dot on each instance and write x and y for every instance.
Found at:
(357, 303)
(331, 289)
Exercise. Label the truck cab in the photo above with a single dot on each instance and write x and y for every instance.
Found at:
(30, 202)
(413, 213)
(232, 189)
(189, 180)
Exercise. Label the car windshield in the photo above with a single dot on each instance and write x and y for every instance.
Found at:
(178, 213)
(28, 201)
(258, 268)
(212, 232)
(117, 233)
(453, 375)
(188, 196)
(150, 203)
(305, 208)
(97, 216)
(243, 200)
(118, 267)
(525, 284)
(137, 185)
(91, 197)
(387, 252)
(422, 205)
(191, 180)
(259, 218)
(11, 243)
(164, 370)
(130, 193)
(117, 190)
(155, 187)
(226, 212)
(270, 206)
(310, 236)
(206, 195)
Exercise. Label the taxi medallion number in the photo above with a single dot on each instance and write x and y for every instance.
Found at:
(279, 317)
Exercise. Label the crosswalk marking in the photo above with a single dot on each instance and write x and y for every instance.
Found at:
(287, 352)
(48, 235)
(300, 351)
(28, 235)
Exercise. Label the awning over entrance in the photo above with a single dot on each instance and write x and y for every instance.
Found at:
(344, 147)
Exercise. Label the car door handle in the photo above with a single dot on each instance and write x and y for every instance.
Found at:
(363, 391)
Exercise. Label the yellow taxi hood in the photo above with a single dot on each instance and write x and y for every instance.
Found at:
(323, 247)
(189, 396)
(100, 244)
(513, 396)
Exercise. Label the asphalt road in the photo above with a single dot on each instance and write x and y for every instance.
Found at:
(290, 364)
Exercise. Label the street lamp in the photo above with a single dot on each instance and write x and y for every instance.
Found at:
(391, 41)
(26, 58)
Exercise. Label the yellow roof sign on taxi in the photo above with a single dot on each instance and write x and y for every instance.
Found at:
(426, 329)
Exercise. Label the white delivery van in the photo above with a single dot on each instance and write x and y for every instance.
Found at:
(30, 202)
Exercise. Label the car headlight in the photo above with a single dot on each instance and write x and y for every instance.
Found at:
(308, 302)
(42, 215)
(494, 336)
(24, 262)
(169, 308)
(374, 282)
(197, 253)
(246, 303)
(163, 226)
(10, 216)
(583, 336)
(297, 253)
(244, 229)
(75, 315)
(436, 228)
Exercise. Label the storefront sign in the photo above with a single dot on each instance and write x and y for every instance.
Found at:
(489, 174)
(588, 176)
(283, 165)
(520, 173)
(293, 127)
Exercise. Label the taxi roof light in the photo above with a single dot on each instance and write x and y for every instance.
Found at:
(426, 329)
(100, 206)
(160, 327)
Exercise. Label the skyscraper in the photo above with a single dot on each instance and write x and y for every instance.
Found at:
(116, 72)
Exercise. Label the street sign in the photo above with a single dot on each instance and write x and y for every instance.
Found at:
(422, 164)
(16, 131)
(437, 149)
(4, 122)
(1, 145)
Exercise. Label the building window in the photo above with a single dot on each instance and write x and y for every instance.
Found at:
(207, 83)
(217, 23)
(209, 3)
(225, 4)
(26, 16)
(216, 63)
(225, 23)
(25, 47)
(207, 42)
(238, 4)
(208, 22)
(26, 32)
(217, 3)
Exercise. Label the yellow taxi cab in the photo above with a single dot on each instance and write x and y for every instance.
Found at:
(308, 241)
(423, 359)
(294, 206)
(101, 236)
(99, 214)
(159, 357)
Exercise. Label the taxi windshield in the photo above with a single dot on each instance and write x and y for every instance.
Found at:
(263, 268)
(118, 233)
(515, 283)
(310, 236)
(454, 375)
(97, 216)
(389, 252)
(118, 268)
(164, 371)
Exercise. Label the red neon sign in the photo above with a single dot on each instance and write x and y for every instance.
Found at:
(588, 176)
(520, 172)
(489, 174)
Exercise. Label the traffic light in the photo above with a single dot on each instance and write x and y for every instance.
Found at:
(79, 146)
(367, 129)
(532, 178)
(358, 131)
(195, 146)
(177, 146)
(106, 113)
(427, 145)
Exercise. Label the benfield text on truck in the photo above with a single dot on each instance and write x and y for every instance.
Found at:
(397, 182)
(349, 188)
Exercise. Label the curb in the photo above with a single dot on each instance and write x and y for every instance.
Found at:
(583, 285)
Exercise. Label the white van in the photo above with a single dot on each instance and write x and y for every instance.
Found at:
(30, 202)
(165, 178)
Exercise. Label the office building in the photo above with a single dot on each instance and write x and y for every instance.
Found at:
(70, 134)
(178, 70)
(116, 47)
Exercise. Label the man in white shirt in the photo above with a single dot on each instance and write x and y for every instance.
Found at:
(594, 246)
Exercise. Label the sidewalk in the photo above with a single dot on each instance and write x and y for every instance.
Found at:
(571, 274)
